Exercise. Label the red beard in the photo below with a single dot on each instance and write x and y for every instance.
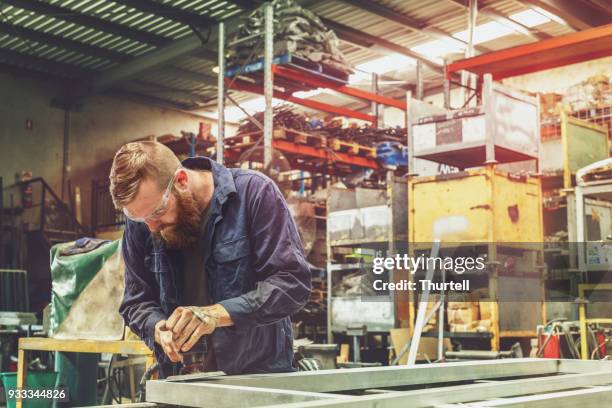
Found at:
(187, 229)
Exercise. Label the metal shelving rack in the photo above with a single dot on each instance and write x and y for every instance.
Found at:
(298, 78)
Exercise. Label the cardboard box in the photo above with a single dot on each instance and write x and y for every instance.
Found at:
(483, 326)
(463, 316)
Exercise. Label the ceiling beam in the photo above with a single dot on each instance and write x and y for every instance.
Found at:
(149, 100)
(192, 76)
(508, 22)
(581, 15)
(64, 43)
(152, 60)
(163, 10)
(408, 22)
(160, 90)
(86, 20)
(246, 4)
(43, 64)
(366, 40)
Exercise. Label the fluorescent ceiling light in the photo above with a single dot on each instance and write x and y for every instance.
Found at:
(386, 64)
(363, 72)
(551, 16)
(485, 32)
(529, 18)
(437, 48)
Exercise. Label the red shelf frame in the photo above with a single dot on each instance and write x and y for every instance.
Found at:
(555, 52)
(241, 85)
(321, 82)
(307, 78)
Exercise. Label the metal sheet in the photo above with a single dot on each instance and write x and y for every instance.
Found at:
(200, 394)
(589, 398)
(380, 377)
(464, 393)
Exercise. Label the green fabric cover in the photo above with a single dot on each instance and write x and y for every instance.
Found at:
(71, 274)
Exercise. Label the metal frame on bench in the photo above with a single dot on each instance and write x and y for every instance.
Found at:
(511, 382)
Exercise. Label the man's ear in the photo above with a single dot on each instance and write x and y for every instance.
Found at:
(182, 179)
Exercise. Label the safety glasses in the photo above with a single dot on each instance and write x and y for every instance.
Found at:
(161, 209)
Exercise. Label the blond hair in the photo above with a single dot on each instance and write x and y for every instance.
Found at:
(137, 161)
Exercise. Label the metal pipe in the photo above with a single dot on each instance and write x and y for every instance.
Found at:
(268, 82)
(419, 80)
(466, 76)
(1, 223)
(13, 238)
(409, 137)
(221, 93)
(374, 105)
(447, 91)
(441, 320)
(489, 109)
(66, 153)
(420, 321)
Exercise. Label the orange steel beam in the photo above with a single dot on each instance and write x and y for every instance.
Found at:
(533, 57)
(249, 87)
(308, 79)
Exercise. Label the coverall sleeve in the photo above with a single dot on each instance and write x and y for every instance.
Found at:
(140, 307)
(282, 272)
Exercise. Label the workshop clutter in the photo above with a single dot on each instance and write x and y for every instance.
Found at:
(470, 316)
(462, 316)
(297, 31)
(593, 93)
(388, 145)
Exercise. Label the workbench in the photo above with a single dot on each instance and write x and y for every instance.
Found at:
(26, 344)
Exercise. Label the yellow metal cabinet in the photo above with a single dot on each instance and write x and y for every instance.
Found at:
(482, 205)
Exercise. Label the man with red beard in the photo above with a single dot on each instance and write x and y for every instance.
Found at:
(212, 255)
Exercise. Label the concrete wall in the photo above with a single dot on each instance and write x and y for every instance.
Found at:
(101, 126)
(38, 150)
(559, 79)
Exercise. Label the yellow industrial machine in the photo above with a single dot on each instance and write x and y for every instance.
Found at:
(496, 206)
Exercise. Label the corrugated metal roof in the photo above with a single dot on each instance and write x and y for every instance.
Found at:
(87, 37)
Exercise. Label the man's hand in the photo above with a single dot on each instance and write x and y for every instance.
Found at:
(165, 338)
(188, 324)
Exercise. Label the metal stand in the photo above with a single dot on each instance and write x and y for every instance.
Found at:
(420, 320)
(221, 95)
(268, 82)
